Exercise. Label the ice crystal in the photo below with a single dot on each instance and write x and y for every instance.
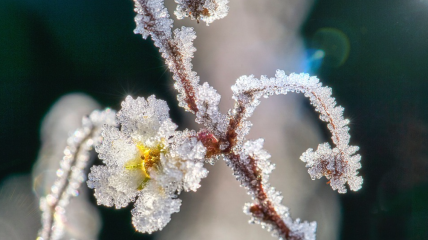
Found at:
(208, 101)
(204, 10)
(146, 158)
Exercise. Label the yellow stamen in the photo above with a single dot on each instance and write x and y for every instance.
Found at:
(148, 158)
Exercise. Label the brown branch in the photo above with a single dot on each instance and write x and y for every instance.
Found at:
(234, 122)
(330, 120)
(264, 209)
(252, 178)
(180, 71)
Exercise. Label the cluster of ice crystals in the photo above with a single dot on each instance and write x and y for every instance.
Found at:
(179, 61)
(146, 158)
(153, 211)
(339, 164)
(254, 149)
(152, 17)
(248, 90)
(303, 230)
(298, 229)
(71, 173)
(208, 114)
(327, 162)
(204, 10)
(258, 167)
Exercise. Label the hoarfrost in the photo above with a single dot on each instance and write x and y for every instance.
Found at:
(204, 10)
(339, 164)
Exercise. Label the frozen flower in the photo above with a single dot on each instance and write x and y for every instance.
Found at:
(146, 159)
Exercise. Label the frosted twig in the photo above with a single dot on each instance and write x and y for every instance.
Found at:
(339, 164)
(153, 19)
(71, 174)
(252, 168)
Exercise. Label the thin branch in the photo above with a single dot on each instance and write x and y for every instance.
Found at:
(73, 164)
(71, 173)
(339, 164)
(263, 209)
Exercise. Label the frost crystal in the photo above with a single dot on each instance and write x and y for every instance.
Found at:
(152, 16)
(208, 101)
(146, 159)
(179, 63)
(205, 10)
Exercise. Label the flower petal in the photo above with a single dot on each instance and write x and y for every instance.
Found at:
(116, 148)
(141, 119)
(105, 180)
(153, 209)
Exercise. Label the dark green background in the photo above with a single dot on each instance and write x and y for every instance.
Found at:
(375, 60)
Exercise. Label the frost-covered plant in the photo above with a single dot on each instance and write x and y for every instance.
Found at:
(148, 162)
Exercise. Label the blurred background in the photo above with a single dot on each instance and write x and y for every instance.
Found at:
(372, 53)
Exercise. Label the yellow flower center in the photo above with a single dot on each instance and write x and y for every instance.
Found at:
(148, 158)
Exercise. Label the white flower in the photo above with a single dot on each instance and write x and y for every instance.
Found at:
(146, 158)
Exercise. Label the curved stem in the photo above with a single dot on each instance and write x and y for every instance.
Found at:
(55, 202)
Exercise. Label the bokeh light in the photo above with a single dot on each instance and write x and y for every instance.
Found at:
(334, 44)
